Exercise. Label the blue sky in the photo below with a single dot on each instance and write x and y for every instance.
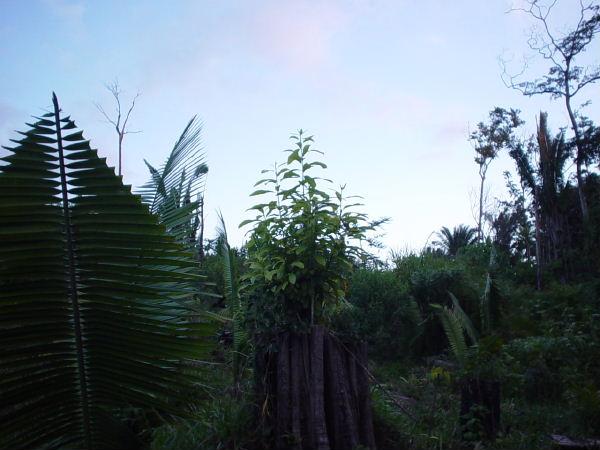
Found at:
(388, 88)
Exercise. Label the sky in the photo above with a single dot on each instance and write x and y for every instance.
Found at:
(389, 89)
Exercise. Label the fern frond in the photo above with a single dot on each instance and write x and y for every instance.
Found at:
(454, 332)
(464, 319)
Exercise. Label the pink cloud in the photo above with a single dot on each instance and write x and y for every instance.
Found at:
(453, 131)
(298, 34)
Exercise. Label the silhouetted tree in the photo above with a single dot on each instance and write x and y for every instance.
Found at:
(541, 166)
(452, 241)
(565, 79)
(120, 119)
(487, 140)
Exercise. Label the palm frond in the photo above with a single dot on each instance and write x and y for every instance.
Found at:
(175, 190)
(454, 332)
(451, 241)
(93, 295)
(186, 153)
(233, 298)
(465, 320)
(491, 299)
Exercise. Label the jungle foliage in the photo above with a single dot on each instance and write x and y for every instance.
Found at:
(122, 326)
(94, 297)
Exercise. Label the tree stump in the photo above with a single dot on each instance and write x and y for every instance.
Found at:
(317, 393)
(480, 399)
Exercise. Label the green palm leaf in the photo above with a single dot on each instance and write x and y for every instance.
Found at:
(234, 301)
(492, 297)
(451, 241)
(464, 319)
(175, 191)
(453, 328)
(93, 295)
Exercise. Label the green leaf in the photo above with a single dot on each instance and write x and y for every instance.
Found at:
(294, 156)
(290, 174)
(265, 181)
(94, 297)
(260, 192)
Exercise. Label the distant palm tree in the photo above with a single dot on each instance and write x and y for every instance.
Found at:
(452, 241)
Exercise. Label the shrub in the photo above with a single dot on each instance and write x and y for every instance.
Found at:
(382, 313)
(223, 423)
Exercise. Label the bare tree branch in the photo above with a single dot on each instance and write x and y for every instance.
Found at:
(120, 128)
(101, 109)
(564, 78)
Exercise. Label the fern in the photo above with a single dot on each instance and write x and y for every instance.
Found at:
(453, 328)
(465, 320)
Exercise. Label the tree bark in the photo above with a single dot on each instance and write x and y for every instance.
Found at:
(318, 421)
(282, 425)
(120, 150)
(322, 398)
(538, 240)
(482, 174)
(579, 158)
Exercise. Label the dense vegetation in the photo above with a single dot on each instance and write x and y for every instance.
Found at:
(122, 327)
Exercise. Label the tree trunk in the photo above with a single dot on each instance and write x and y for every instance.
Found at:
(480, 218)
(120, 150)
(579, 157)
(320, 398)
(538, 240)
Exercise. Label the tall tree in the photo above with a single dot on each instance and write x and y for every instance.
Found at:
(565, 79)
(487, 140)
(541, 167)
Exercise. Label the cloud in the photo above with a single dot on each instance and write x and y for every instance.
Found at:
(298, 35)
(452, 131)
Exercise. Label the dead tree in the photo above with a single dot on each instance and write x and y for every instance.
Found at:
(119, 121)
(565, 79)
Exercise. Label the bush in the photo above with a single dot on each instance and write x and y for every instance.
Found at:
(224, 423)
(380, 312)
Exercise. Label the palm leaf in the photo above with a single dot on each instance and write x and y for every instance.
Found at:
(93, 295)
(454, 332)
(174, 192)
(465, 320)
(451, 241)
(186, 153)
(234, 300)
(491, 298)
